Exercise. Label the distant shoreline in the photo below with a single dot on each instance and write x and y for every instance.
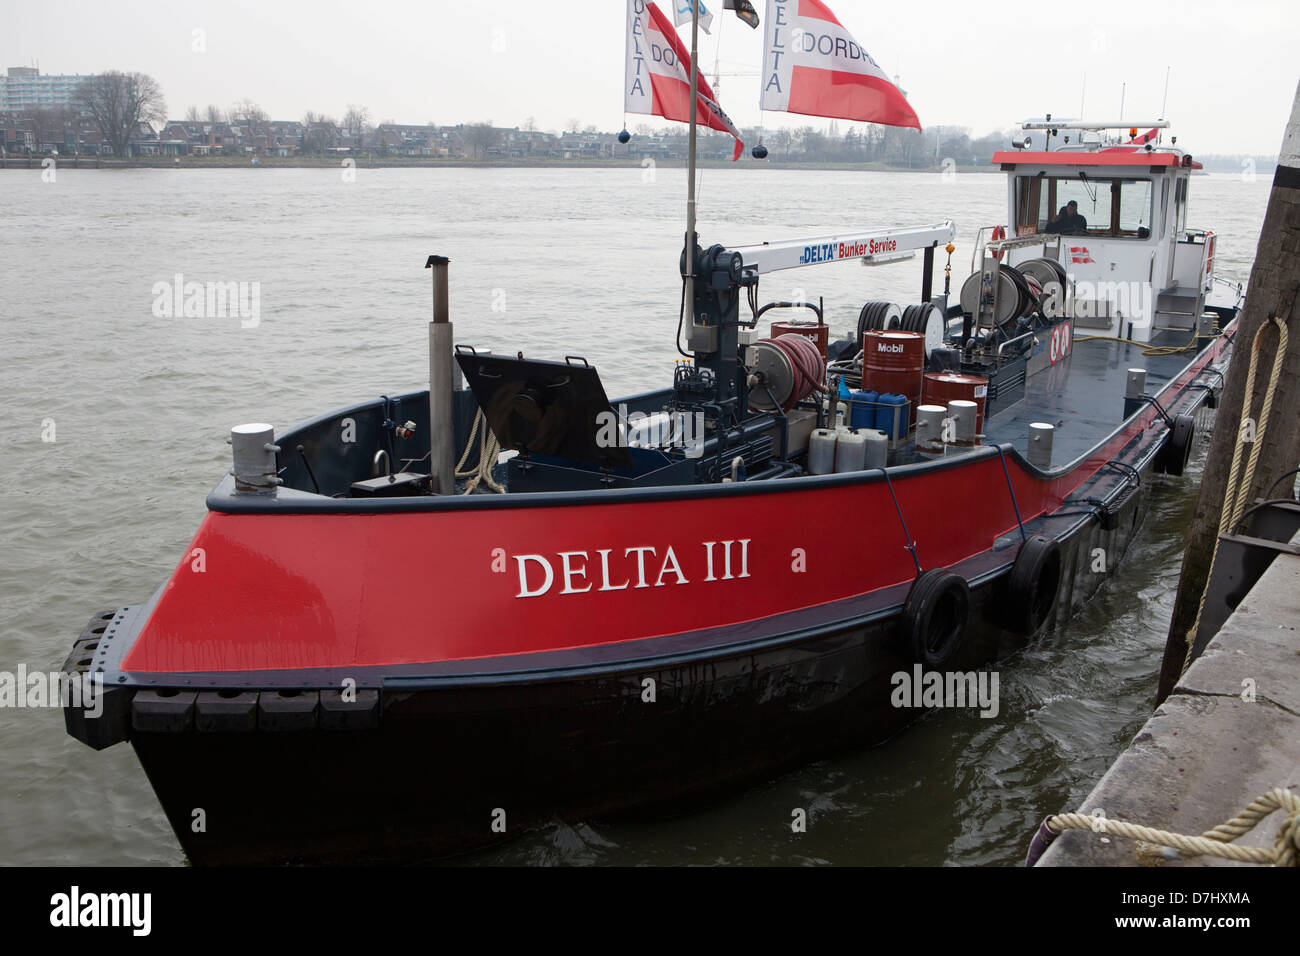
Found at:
(425, 162)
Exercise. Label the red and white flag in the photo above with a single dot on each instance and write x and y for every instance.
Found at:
(812, 65)
(658, 81)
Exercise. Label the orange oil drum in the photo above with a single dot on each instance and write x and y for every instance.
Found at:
(894, 362)
(943, 387)
(820, 335)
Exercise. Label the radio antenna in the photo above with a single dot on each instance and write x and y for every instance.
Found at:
(1083, 89)
(1165, 102)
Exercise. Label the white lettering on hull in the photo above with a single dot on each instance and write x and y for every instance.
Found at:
(577, 574)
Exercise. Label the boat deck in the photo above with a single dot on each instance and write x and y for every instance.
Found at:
(1083, 396)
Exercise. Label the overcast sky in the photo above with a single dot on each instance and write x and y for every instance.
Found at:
(962, 63)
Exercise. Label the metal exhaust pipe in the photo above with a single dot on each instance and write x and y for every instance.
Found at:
(441, 383)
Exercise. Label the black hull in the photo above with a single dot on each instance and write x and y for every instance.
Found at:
(432, 777)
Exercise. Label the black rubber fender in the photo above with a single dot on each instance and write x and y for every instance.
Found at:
(935, 616)
(163, 710)
(357, 710)
(225, 712)
(1033, 584)
(287, 710)
(1177, 450)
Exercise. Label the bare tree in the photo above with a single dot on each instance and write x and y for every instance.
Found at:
(246, 111)
(781, 141)
(51, 126)
(355, 122)
(814, 144)
(319, 133)
(118, 102)
(307, 141)
(480, 137)
(213, 114)
(192, 114)
(249, 114)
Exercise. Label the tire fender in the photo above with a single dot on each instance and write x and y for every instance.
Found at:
(1033, 584)
(1177, 451)
(935, 616)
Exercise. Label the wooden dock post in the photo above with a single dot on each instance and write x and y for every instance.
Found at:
(1272, 291)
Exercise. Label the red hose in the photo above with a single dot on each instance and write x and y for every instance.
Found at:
(807, 363)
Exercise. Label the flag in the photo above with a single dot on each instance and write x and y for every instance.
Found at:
(744, 9)
(682, 14)
(657, 81)
(812, 65)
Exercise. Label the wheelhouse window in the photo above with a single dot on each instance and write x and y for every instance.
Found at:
(1180, 205)
(1102, 207)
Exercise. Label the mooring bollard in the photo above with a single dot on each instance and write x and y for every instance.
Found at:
(963, 414)
(1135, 386)
(929, 429)
(1040, 444)
(254, 449)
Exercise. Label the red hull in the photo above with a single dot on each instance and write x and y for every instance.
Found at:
(424, 586)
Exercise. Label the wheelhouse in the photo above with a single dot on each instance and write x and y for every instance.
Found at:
(1120, 214)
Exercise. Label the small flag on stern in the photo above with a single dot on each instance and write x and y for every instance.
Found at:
(682, 13)
(812, 65)
(744, 9)
(656, 79)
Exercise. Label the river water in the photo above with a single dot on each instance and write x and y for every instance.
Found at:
(113, 417)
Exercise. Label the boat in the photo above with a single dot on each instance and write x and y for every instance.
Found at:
(425, 623)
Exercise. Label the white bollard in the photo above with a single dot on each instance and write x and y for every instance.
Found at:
(1040, 444)
(253, 448)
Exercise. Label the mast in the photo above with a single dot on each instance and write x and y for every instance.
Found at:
(690, 161)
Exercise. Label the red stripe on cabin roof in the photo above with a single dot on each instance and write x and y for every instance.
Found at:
(1133, 158)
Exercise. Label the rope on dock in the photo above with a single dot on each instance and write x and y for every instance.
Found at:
(1235, 499)
(1216, 842)
(488, 449)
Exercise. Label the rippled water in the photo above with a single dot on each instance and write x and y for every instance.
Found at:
(552, 262)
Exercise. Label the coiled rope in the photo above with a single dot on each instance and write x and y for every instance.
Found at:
(488, 449)
(1234, 502)
(1216, 842)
